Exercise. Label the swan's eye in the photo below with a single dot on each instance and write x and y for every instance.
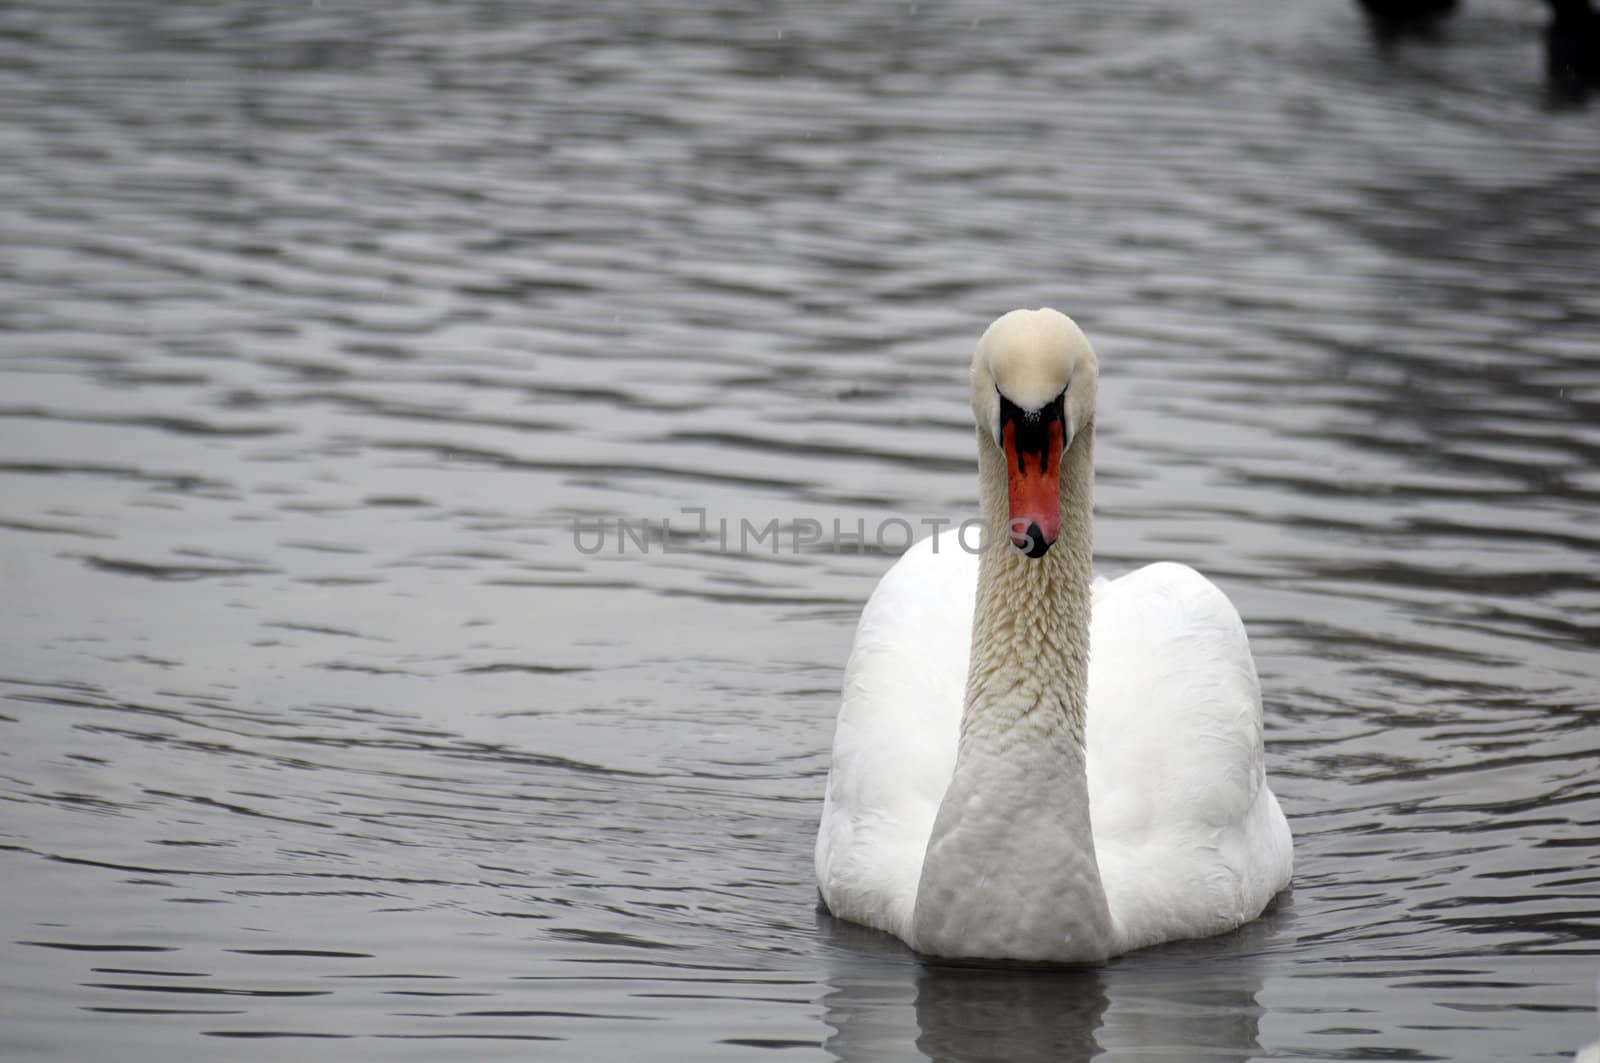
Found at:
(1039, 434)
(1028, 422)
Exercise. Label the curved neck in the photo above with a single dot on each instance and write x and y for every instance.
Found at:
(1030, 630)
(1010, 869)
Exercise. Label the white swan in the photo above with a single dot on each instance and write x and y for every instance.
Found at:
(1010, 780)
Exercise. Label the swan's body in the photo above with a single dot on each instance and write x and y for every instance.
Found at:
(1013, 779)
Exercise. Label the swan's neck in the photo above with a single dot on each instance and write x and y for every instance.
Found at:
(1030, 630)
(1010, 869)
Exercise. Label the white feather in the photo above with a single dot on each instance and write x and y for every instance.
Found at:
(1068, 812)
(1189, 838)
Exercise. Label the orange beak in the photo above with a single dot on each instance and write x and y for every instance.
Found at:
(1033, 482)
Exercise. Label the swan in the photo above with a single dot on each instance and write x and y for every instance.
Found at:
(1028, 765)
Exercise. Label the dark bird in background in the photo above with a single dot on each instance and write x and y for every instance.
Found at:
(1406, 18)
(1572, 48)
(1571, 40)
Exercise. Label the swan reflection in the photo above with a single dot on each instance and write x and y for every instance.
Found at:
(1193, 1000)
(1017, 1014)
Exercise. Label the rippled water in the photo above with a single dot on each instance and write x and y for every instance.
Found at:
(322, 322)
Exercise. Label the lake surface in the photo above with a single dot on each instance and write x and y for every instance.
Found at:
(321, 324)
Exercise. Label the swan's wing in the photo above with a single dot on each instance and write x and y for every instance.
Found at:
(1189, 837)
(894, 748)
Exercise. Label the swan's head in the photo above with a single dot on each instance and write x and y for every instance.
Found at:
(1033, 387)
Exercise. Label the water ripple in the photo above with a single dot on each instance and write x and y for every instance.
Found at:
(324, 323)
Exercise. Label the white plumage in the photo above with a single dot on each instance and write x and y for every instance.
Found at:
(1072, 828)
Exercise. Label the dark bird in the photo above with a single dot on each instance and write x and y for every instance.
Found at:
(1403, 18)
(1572, 48)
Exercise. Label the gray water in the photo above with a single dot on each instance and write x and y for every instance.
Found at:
(322, 323)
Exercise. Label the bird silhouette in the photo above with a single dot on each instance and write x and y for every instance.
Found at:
(1572, 48)
(1406, 18)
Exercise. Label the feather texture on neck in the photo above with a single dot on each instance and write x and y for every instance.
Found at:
(1010, 869)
